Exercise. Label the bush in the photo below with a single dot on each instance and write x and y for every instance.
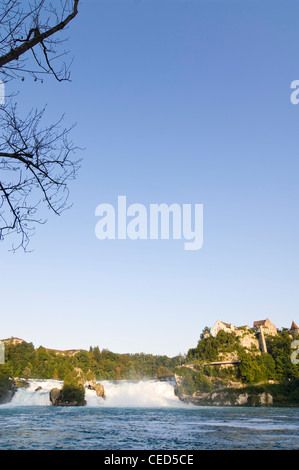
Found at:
(163, 371)
(193, 381)
(73, 393)
(203, 383)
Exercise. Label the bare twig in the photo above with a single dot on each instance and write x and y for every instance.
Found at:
(36, 162)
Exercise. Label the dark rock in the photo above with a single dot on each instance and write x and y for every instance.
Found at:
(7, 392)
(21, 383)
(98, 387)
(55, 396)
(68, 396)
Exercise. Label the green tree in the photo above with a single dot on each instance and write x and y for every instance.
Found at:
(162, 371)
(279, 347)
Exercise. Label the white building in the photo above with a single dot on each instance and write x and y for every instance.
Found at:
(220, 325)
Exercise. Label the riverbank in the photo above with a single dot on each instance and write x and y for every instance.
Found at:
(267, 394)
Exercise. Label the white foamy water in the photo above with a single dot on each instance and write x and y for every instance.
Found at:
(148, 393)
(31, 396)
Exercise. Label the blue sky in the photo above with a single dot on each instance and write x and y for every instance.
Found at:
(175, 101)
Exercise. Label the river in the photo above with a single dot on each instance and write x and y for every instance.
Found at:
(140, 415)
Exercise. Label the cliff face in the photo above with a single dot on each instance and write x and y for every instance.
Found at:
(248, 340)
(232, 369)
(270, 393)
(229, 397)
(237, 395)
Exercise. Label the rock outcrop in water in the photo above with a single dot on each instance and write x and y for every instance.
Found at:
(9, 386)
(94, 385)
(7, 391)
(20, 383)
(99, 389)
(73, 390)
(71, 398)
(55, 396)
(69, 395)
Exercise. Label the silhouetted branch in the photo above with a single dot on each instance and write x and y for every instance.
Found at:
(32, 30)
(36, 166)
(36, 162)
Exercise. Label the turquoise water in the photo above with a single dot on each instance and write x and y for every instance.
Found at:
(143, 415)
(51, 428)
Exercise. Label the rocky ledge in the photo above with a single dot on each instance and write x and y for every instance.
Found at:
(229, 397)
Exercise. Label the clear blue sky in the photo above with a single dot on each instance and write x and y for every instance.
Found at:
(175, 101)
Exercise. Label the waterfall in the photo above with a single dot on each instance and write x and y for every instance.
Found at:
(37, 394)
(125, 393)
(122, 393)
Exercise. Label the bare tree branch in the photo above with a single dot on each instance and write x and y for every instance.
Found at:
(26, 30)
(36, 161)
(36, 165)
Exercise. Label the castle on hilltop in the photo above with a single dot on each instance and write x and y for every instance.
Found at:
(260, 328)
